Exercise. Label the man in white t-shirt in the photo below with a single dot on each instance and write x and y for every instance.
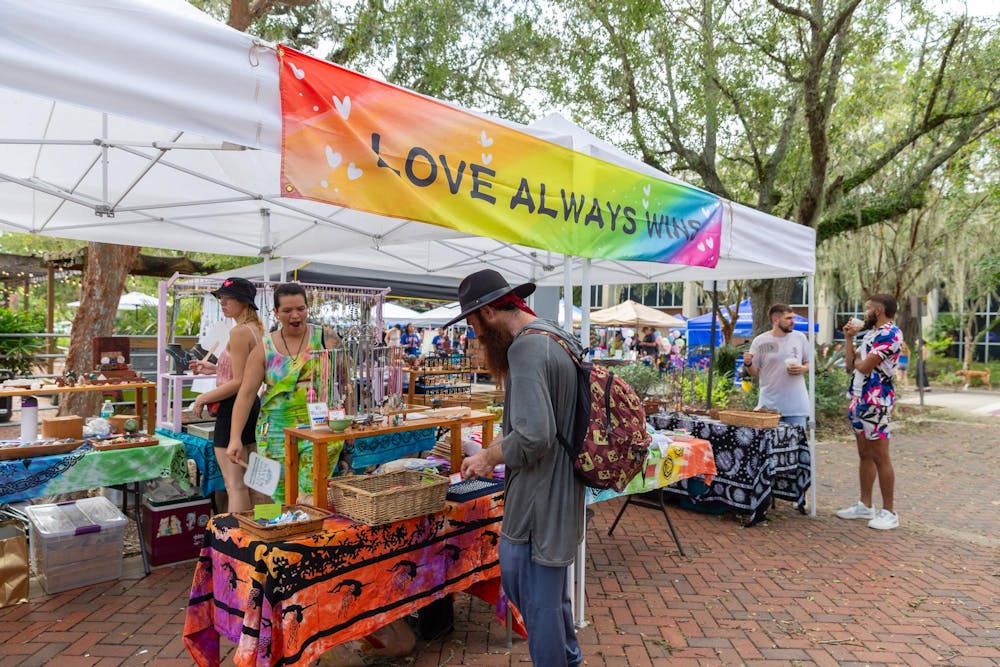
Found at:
(780, 358)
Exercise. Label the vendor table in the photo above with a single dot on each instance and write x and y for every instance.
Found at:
(754, 464)
(682, 460)
(87, 468)
(286, 602)
(145, 397)
(321, 436)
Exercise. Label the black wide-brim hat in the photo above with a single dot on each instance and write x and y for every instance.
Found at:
(484, 287)
(240, 289)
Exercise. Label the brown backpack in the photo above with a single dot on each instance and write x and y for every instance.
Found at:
(609, 442)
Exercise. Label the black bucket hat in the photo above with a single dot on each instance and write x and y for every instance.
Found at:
(240, 289)
(484, 287)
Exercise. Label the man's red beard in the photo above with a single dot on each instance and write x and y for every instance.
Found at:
(496, 342)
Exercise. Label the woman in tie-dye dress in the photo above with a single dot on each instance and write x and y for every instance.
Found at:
(286, 368)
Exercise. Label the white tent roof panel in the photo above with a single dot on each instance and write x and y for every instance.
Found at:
(155, 65)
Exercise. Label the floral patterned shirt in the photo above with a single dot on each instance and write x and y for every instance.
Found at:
(877, 388)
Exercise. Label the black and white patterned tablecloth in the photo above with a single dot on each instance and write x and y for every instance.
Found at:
(753, 464)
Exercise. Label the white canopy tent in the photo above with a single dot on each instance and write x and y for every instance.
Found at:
(632, 314)
(130, 121)
(146, 122)
(129, 300)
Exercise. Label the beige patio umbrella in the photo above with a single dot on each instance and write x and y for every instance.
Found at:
(632, 314)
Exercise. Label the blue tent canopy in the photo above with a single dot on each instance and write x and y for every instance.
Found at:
(699, 328)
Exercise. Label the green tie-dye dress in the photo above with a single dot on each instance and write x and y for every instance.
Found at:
(287, 381)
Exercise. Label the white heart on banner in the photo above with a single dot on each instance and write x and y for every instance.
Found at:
(343, 106)
(333, 159)
(710, 242)
(701, 247)
(484, 140)
(487, 157)
(353, 172)
(299, 73)
(645, 190)
(645, 204)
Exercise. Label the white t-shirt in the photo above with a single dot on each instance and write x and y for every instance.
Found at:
(778, 390)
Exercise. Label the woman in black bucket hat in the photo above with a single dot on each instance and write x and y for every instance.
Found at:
(237, 298)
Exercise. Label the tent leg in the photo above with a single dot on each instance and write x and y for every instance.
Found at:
(568, 293)
(811, 301)
(585, 308)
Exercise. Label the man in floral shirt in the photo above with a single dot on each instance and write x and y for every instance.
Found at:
(872, 365)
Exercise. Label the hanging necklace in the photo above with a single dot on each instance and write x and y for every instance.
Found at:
(295, 357)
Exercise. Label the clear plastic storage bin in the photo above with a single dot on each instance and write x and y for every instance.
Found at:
(77, 543)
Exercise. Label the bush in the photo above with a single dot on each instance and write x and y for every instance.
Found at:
(694, 389)
(831, 396)
(18, 354)
(725, 360)
(640, 377)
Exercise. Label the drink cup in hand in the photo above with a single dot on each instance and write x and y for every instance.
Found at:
(857, 323)
(791, 362)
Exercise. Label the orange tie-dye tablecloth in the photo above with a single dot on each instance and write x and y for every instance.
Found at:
(286, 603)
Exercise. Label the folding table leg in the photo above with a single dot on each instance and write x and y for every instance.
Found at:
(663, 508)
(666, 515)
(628, 501)
(137, 508)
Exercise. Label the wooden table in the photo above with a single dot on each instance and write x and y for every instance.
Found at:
(145, 397)
(321, 436)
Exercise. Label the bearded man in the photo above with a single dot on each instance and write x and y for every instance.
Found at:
(543, 500)
(872, 363)
(780, 359)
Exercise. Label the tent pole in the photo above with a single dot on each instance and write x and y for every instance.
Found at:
(104, 161)
(284, 269)
(811, 300)
(265, 245)
(584, 307)
(711, 344)
(580, 564)
(567, 293)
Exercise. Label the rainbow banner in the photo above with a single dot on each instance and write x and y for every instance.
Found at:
(359, 143)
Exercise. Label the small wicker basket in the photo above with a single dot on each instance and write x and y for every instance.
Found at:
(394, 496)
(755, 419)
(273, 533)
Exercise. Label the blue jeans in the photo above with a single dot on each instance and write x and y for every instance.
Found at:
(794, 420)
(540, 593)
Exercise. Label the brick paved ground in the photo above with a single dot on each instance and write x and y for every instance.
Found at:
(796, 591)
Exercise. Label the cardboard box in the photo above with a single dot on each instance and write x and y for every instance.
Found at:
(118, 422)
(175, 531)
(70, 426)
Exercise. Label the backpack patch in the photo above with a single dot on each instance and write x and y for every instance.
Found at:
(609, 443)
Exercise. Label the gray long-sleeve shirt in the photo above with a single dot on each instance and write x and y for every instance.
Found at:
(544, 501)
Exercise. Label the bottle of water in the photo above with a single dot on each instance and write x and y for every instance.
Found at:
(107, 410)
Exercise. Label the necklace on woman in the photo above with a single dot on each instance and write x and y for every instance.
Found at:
(295, 357)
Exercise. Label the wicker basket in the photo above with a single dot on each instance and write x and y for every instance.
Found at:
(755, 419)
(394, 496)
(273, 533)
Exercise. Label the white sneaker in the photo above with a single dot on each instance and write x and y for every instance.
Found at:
(884, 520)
(857, 511)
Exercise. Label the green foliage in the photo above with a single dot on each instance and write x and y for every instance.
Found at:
(694, 389)
(942, 346)
(947, 325)
(831, 396)
(640, 377)
(725, 360)
(18, 354)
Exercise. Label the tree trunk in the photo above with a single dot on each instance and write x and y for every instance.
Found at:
(763, 295)
(907, 321)
(104, 279)
(970, 341)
